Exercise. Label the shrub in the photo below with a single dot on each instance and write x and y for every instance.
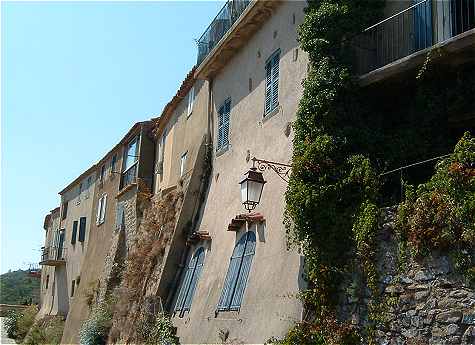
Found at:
(95, 329)
(46, 331)
(157, 330)
(10, 323)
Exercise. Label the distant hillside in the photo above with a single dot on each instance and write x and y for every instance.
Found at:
(19, 288)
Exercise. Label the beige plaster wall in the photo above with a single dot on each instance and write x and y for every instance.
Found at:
(184, 133)
(266, 309)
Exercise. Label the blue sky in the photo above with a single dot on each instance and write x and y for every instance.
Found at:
(75, 76)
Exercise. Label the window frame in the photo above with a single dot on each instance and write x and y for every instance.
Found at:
(183, 159)
(191, 101)
(101, 210)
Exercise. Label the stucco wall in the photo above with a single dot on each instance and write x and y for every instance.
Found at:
(183, 133)
(99, 241)
(79, 205)
(275, 273)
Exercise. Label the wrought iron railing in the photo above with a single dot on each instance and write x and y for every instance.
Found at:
(418, 27)
(129, 176)
(53, 253)
(226, 17)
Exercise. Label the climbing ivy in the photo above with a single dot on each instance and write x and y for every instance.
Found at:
(345, 136)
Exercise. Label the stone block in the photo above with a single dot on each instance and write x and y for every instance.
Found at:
(452, 316)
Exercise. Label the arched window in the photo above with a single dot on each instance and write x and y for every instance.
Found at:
(183, 303)
(238, 271)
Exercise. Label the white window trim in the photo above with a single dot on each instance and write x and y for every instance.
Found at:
(101, 210)
(183, 159)
(191, 100)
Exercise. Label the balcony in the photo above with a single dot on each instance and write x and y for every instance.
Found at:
(411, 32)
(226, 17)
(53, 256)
(129, 176)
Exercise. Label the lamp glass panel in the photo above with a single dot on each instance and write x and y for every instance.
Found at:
(255, 189)
(244, 191)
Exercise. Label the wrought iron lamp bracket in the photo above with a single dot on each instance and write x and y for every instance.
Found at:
(281, 169)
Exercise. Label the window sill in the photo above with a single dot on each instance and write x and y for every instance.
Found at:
(270, 114)
(222, 150)
(126, 189)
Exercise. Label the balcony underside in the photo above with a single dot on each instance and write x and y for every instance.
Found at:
(236, 37)
(53, 262)
(454, 51)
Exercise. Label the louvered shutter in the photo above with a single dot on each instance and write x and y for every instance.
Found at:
(226, 115)
(244, 271)
(220, 127)
(186, 284)
(200, 254)
(232, 275)
(82, 229)
(75, 231)
(275, 81)
(268, 100)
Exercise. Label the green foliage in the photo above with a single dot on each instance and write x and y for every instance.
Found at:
(440, 214)
(19, 288)
(46, 332)
(157, 330)
(95, 329)
(18, 323)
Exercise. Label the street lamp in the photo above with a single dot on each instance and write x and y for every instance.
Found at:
(253, 183)
(251, 188)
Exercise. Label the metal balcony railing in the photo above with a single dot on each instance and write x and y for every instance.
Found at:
(53, 253)
(129, 176)
(418, 27)
(226, 17)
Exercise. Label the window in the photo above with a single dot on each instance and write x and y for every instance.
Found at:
(82, 229)
(103, 172)
(64, 210)
(101, 210)
(183, 163)
(131, 155)
(223, 124)
(272, 83)
(113, 164)
(79, 193)
(75, 231)
(88, 186)
(47, 282)
(188, 287)
(73, 285)
(120, 217)
(191, 100)
(238, 271)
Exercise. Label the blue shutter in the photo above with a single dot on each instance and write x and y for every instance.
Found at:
(244, 271)
(268, 97)
(275, 81)
(220, 127)
(184, 286)
(232, 275)
(226, 115)
(199, 255)
(75, 231)
(82, 229)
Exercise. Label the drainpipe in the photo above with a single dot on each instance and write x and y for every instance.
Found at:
(202, 189)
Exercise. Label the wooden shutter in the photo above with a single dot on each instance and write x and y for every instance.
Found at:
(75, 231)
(199, 259)
(275, 81)
(191, 100)
(244, 271)
(268, 96)
(82, 229)
(220, 126)
(186, 284)
(226, 115)
(232, 275)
